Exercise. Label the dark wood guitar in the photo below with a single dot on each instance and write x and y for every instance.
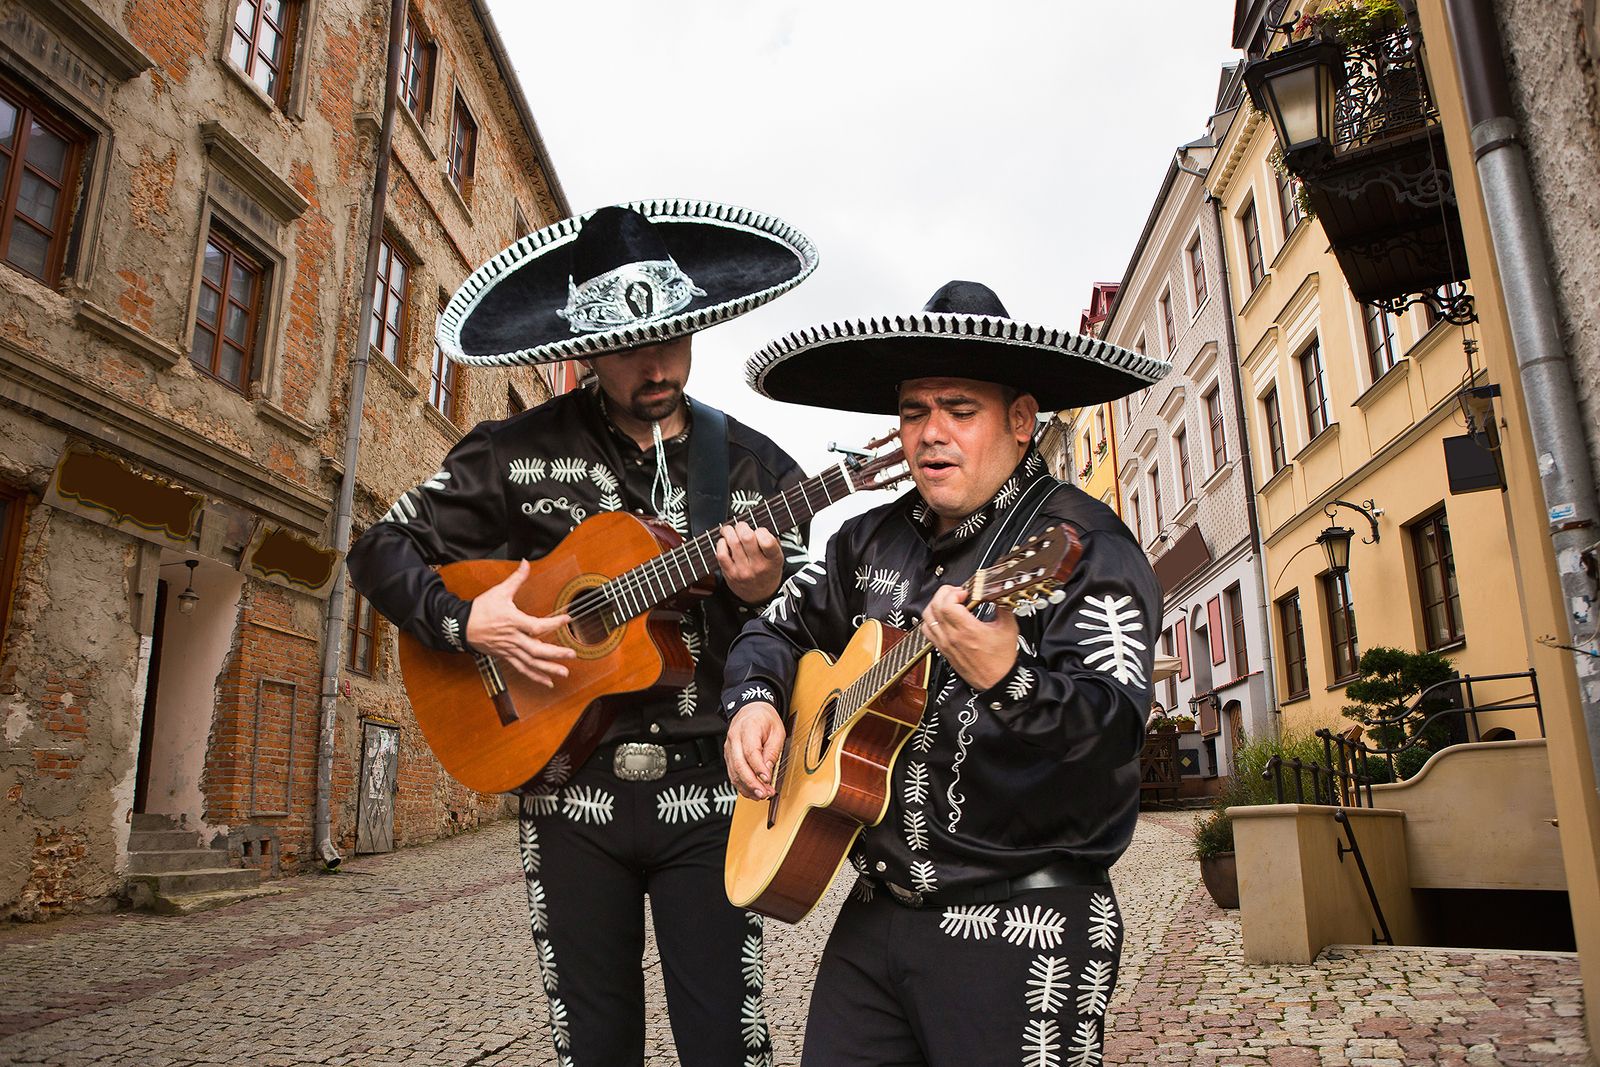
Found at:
(625, 581)
(848, 720)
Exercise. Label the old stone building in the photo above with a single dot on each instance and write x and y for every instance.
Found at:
(186, 210)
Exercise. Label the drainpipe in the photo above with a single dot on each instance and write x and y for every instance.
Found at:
(1566, 475)
(1269, 673)
(333, 633)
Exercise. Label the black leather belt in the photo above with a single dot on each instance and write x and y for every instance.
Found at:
(1062, 872)
(645, 761)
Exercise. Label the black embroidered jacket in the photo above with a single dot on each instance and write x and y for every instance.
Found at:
(1043, 766)
(514, 489)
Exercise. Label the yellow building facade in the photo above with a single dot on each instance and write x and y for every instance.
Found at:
(1343, 404)
(1092, 434)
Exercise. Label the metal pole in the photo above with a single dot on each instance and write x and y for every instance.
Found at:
(333, 634)
(1566, 475)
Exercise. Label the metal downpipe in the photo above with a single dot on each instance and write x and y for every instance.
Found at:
(1566, 475)
(333, 633)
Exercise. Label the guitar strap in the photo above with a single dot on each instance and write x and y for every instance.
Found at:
(708, 466)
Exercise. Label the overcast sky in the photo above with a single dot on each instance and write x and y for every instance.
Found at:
(1019, 143)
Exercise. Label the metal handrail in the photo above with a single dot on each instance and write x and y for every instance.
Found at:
(1343, 819)
(1470, 708)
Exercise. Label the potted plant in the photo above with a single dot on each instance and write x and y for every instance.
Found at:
(1353, 22)
(1183, 723)
(1213, 847)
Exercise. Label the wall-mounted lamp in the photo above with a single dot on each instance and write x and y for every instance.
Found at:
(189, 598)
(1335, 540)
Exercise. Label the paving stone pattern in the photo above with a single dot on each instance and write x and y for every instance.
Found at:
(423, 957)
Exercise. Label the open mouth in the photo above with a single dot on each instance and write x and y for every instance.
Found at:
(937, 467)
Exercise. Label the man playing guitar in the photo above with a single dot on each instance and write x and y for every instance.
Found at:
(983, 928)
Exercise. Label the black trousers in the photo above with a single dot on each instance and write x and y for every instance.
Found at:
(1023, 981)
(591, 850)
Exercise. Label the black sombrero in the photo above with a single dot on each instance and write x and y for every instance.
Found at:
(620, 277)
(963, 332)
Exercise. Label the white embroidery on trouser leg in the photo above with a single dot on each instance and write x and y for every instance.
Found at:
(538, 921)
(1050, 987)
(752, 1011)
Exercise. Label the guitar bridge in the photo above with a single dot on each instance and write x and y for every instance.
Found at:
(495, 686)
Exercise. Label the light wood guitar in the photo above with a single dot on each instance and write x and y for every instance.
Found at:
(848, 720)
(625, 581)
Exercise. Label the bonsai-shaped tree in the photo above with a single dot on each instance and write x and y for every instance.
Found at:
(1390, 680)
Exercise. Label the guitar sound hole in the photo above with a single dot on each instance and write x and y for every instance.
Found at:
(817, 739)
(588, 631)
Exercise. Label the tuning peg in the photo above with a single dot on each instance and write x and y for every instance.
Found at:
(1057, 596)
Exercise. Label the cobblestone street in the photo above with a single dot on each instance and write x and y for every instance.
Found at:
(424, 957)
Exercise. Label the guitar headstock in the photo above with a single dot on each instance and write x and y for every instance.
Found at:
(1030, 575)
(877, 466)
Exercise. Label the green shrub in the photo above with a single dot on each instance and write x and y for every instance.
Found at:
(1213, 834)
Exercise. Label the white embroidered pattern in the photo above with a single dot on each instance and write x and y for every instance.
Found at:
(547, 966)
(915, 789)
(1085, 1048)
(536, 909)
(683, 803)
(750, 959)
(526, 471)
(1036, 927)
(966, 717)
(922, 740)
(557, 771)
(541, 803)
(1007, 494)
(528, 843)
(452, 631)
(686, 700)
(778, 610)
(972, 524)
(1032, 464)
(974, 921)
(753, 1021)
(759, 692)
(558, 1024)
(1102, 922)
(724, 799)
(1021, 684)
(923, 877)
(587, 803)
(1049, 984)
(569, 470)
(916, 826)
(743, 500)
(538, 921)
(1094, 988)
(1041, 1043)
(1114, 622)
(402, 511)
(601, 475)
(862, 891)
(795, 550)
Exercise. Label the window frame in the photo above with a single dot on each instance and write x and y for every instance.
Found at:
(1294, 641)
(1168, 332)
(1255, 262)
(1288, 204)
(1272, 414)
(450, 385)
(1233, 605)
(14, 500)
(354, 631)
(1384, 353)
(70, 192)
(1197, 273)
(1180, 446)
(1138, 516)
(233, 249)
(1450, 591)
(1155, 497)
(388, 252)
(288, 34)
(460, 167)
(1344, 651)
(419, 54)
(1319, 415)
(1216, 425)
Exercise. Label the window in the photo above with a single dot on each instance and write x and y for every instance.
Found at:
(40, 155)
(1172, 681)
(1166, 322)
(226, 312)
(1197, 273)
(1341, 625)
(1138, 519)
(361, 633)
(463, 147)
(416, 80)
(1316, 389)
(263, 43)
(12, 504)
(1252, 245)
(1233, 601)
(1138, 345)
(1180, 444)
(1436, 581)
(1289, 203)
(442, 383)
(1219, 437)
(1274, 417)
(1155, 497)
(389, 303)
(1100, 427)
(1382, 349)
(1296, 682)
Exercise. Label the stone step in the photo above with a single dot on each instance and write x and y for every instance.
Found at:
(189, 903)
(203, 880)
(166, 861)
(162, 840)
(153, 821)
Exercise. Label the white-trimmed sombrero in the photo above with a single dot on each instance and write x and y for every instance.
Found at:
(620, 277)
(963, 332)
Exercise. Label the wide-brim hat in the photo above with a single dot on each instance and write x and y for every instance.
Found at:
(620, 277)
(963, 332)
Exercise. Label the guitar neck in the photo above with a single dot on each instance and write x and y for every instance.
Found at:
(652, 584)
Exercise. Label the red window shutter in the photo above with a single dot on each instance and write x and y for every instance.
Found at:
(1183, 649)
(1219, 643)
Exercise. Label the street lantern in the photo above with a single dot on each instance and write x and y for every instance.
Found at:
(1335, 541)
(189, 598)
(1295, 86)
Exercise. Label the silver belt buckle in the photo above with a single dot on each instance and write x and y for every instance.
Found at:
(638, 761)
(909, 897)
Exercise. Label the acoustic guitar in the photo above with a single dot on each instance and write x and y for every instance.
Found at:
(848, 720)
(625, 581)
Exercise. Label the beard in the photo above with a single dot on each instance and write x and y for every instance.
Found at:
(658, 405)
